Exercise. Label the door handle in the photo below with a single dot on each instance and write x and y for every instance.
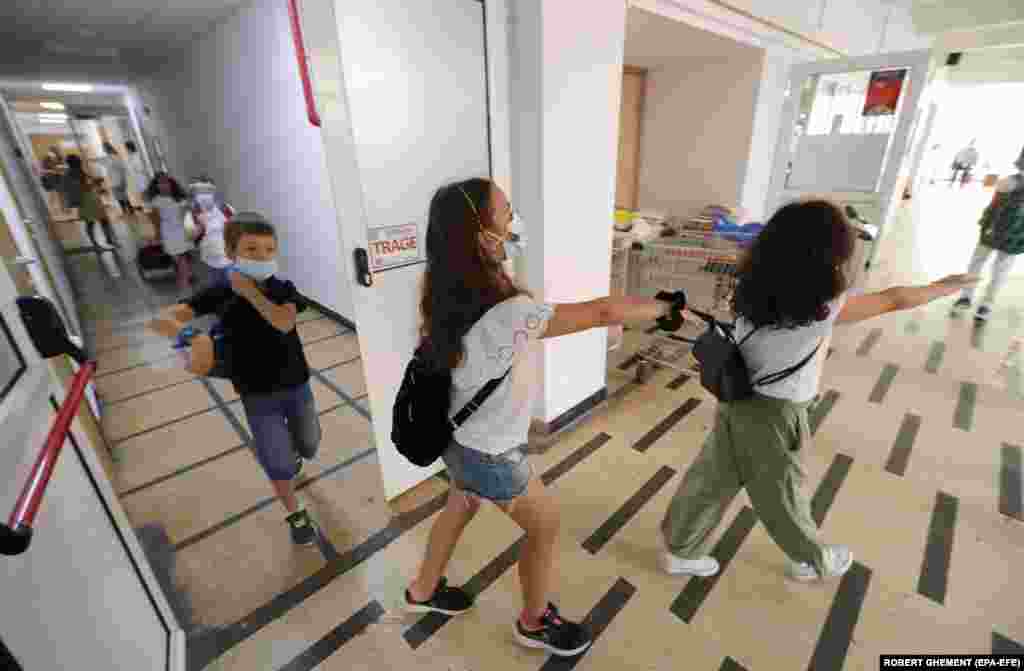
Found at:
(363, 273)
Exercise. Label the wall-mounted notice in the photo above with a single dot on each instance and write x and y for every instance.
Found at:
(394, 246)
(884, 92)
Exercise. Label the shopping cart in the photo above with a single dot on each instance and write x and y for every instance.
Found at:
(619, 283)
(703, 264)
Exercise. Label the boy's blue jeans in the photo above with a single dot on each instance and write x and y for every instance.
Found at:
(283, 423)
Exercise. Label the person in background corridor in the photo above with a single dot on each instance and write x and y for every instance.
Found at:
(137, 181)
(117, 170)
(261, 353)
(51, 177)
(83, 191)
(169, 203)
(478, 324)
(1002, 232)
(792, 290)
(964, 163)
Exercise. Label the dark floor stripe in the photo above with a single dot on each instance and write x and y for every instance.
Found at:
(900, 454)
(337, 390)
(107, 373)
(829, 486)
(596, 621)
(228, 637)
(181, 471)
(629, 509)
(837, 632)
(570, 462)
(978, 334)
(883, 384)
(1012, 471)
(1001, 645)
(819, 411)
(964, 417)
(339, 636)
(157, 427)
(869, 342)
(431, 623)
(730, 664)
(827, 356)
(679, 382)
(234, 519)
(666, 424)
(697, 589)
(623, 391)
(225, 410)
(630, 362)
(145, 393)
(651, 330)
(340, 363)
(935, 355)
(935, 567)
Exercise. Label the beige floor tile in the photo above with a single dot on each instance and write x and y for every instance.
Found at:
(168, 449)
(346, 433)
(349, 377)
(160, 407)
(119, 359)
(323, 396)
(852, 376)
(905, 623)
(864, 431)
(135, 381)
(333, 350)
(318, 329)
(235, 571)
(184, 506)
(126, 338)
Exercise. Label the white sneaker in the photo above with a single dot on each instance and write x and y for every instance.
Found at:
(705, 567)
(838, 560)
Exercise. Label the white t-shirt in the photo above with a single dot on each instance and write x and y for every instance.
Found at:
(771, 350)
(172, 225)
(212, 249)
(500, 339)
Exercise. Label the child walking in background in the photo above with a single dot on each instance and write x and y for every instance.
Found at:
(260, 352)
(1002, 232)
(169, 201)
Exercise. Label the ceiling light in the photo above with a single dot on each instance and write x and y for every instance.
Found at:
(53, 120)
(53, 117)
(71, 88)
(52, 106)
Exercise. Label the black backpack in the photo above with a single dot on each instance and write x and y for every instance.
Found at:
(420, 427)
(723, 371)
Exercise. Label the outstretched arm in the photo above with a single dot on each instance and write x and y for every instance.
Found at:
(866, 306)
(607, 311)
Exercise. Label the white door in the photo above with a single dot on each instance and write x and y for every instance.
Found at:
(31, 223)
(82, 595)
(404, 113)
(846, 129)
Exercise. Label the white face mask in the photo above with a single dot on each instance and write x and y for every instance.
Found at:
(256, 270)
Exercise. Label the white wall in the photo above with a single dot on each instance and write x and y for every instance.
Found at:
(697, 126)
(566, 88)
(243, 121)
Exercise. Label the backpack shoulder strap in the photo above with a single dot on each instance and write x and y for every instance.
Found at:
(474, 404)
(783, 374)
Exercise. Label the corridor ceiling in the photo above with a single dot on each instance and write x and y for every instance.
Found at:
(130, 33)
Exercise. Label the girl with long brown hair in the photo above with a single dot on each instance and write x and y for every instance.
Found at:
(479, 324)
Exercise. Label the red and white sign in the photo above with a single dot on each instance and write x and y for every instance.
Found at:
(394, 246)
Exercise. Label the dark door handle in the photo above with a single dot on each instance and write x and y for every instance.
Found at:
(363, 273)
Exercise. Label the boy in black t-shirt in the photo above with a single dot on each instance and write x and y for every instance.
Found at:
(261, 353)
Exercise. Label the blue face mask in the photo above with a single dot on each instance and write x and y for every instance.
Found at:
(256, 270)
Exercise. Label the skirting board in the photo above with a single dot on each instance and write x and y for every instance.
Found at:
(543, 432)
(331, 313)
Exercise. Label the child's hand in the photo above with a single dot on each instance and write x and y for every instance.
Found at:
(242, 285)
(957, 282)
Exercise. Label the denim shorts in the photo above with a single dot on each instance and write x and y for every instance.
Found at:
(284, 423)
(498, 478)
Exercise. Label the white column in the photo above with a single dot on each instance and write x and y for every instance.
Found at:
(566, 86)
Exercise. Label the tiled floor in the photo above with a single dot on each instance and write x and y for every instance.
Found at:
(916, 464)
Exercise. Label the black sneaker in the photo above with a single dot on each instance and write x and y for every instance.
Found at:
(557, 636)
(446, 600)
(983, 314)
(303, 529)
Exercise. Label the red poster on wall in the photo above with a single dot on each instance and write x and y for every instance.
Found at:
(884, 90)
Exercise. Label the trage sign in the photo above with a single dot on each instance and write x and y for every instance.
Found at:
(394, 246)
